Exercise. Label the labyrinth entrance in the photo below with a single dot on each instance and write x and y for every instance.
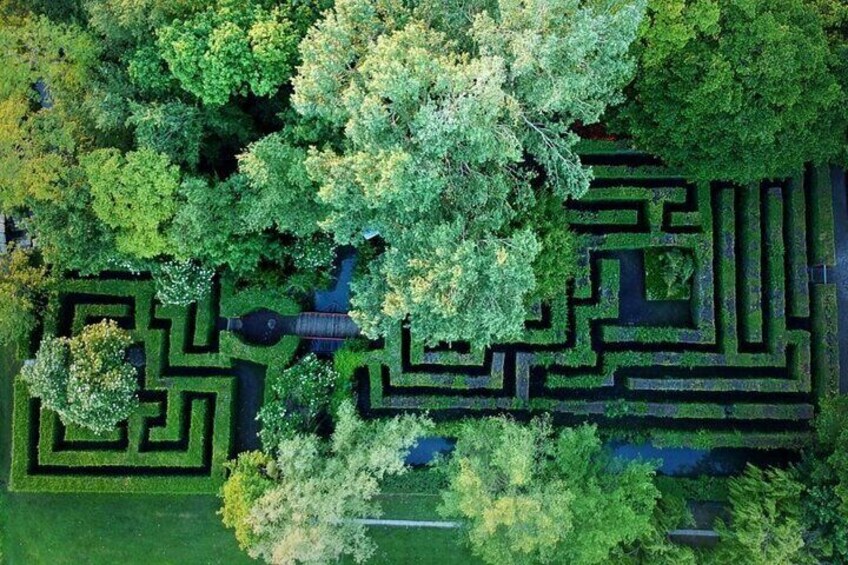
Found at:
(740, 362)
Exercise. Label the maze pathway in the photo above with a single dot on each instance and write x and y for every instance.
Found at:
(740, 364)
(185, 428)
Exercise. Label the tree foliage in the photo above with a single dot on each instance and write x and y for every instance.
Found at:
(301, 398)
(319, 488)
(437, 120)
(279, 192)
(207, 226)
(765, 527)
(236, 47)
(736, 90)
(174, 129)
(123, 22)
(45, 68)
(24, 286)
(69, 235)
(832, 436)
(85, 379)
(531, 495)
(557, 259)
(453, 288)
(247, 481)
(824, 473)
(134, 195)
(654, 547)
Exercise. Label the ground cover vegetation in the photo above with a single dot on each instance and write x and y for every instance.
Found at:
(184, 165)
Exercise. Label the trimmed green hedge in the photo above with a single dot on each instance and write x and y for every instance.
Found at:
(179, 439)
(757, 326)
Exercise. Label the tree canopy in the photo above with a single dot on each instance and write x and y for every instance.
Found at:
(532, 495)
(736, 90)
(236, 47)
(134, 195)
(24, 286)
(306, 509)
(766, 526)
(438, 116)
(45, 68)
(85, 379)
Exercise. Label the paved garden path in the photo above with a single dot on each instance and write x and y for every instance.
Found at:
(840, 270)
(406, 523)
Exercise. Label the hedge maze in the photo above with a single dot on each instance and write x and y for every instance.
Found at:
(741, 363)
(185, 428)
(738, 358)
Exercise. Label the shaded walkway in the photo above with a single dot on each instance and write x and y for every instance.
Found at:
(839, 273)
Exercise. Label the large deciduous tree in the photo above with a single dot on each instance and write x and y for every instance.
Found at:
(736, 90)
(45, 69)
(236, 47)
(766, 527)
(439, 112)
(531, 495)
(279, 193)
(824, 473)
(24, 286)
(453, 288)
(207, 226)
(134, 195)
(302, 506)
(85, 379)
(174, 129)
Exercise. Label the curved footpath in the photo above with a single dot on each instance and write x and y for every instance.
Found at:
(840, 270)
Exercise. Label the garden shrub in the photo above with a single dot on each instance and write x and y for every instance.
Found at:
(349, 357)
(668, 273)
(86, 379)
(301, 398)
(180, 283)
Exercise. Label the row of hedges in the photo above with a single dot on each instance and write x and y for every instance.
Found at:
(182, 433)
(758, 326)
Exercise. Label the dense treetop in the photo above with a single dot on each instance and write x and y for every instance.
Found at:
(438, 122)
(250, 134)
(532, 495)
(736, 90)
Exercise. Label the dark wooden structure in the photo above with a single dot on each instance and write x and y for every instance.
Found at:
(322, 325)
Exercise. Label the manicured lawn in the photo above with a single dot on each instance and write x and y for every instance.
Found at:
(420, 546)
(85, 528)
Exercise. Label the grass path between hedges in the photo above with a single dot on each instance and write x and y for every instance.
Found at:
(105, 529)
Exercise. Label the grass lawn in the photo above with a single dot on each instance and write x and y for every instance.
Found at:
(85, 528)
(58, 529)
(420, 546)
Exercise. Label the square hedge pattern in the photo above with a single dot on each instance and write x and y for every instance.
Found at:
(184, 430)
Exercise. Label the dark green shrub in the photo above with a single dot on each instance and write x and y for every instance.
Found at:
(301, 398)
(668, 273)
